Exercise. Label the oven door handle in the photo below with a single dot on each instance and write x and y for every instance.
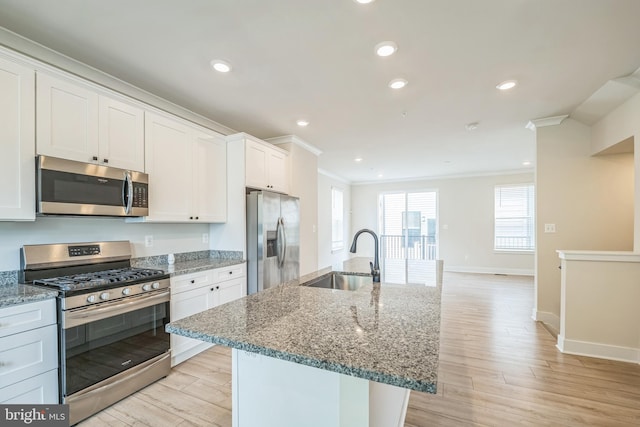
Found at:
(72, 318)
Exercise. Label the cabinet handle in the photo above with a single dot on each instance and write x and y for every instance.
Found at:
(231, 272)
(190, 217)
(95, 158)
(197, 217)
(193, 281)
(212, 289)
(106, 160)
(217, 287)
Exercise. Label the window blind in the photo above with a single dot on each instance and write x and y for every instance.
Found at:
(515, 217)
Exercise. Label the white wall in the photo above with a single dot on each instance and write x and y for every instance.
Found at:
(167, 238)
(589, 199)
(465, 219)
(326, 257)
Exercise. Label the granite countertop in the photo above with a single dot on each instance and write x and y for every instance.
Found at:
(15, 293)
(381, 332)
(193, 266)
(12, 292)
(191, 262)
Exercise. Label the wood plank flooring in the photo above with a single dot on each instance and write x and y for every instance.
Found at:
(497, 368)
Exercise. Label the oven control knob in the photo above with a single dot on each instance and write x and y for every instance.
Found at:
(126, 291)
(155, 285)
(91, 298)
(146, 287)
(104, 296)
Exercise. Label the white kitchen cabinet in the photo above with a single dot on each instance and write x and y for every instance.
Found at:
(29, 353)
(76, 122)
(187, 167)
(17, 142)
(266, 166)
(197, 292)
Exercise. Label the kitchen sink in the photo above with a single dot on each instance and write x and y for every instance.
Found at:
(342, 281)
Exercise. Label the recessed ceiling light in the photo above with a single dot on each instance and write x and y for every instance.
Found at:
(364, 1)
(397, 83)
(526, 163)
(221, 66)
(357, 159)
(380, 175)
(507, 84)
(386, 48)
(302, 123)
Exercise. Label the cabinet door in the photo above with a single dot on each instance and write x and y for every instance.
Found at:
(186, 304)
(38, 390)
(168, 160)
(121, 135)
(278, 169)
(67, 120)
(28, 353)
(17, 142)
(210, 177)
(256, 165)
(231, 290)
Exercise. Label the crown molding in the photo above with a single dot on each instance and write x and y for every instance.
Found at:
(333, 176)
(286, 139)
(545, 121)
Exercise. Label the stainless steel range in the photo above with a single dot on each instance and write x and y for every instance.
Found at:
(111, 320)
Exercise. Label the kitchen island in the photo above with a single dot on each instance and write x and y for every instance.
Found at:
(311, 356)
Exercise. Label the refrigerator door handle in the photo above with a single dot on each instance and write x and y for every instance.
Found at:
(281, 245)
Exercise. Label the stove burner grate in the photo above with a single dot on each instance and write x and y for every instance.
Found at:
(100, 278)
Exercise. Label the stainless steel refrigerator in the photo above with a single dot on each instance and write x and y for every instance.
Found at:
(273, 240)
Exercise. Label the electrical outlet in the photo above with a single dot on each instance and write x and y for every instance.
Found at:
(549, 228)
(205, 237)
(148, 241)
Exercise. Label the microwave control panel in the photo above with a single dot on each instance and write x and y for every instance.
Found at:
(140, 195)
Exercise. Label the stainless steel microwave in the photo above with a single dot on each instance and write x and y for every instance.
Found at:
(66, 187)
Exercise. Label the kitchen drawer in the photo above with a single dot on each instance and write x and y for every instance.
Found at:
(24, 317)
(39, 390)
(27, 354)
(228, 273)
(191, 281)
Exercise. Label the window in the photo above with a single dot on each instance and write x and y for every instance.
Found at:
(408, 236)
(515, 218)
(337, 219)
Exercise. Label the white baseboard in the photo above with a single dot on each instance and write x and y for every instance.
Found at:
(552, 320)
(601, 351)
(489, 270)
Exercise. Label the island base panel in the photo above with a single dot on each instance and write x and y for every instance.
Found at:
(275, 393)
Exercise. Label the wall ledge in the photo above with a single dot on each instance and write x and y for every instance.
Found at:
(606, 256)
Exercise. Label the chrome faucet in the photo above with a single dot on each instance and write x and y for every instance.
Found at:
(375, 266)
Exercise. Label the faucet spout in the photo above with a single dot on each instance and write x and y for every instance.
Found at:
(375, 267)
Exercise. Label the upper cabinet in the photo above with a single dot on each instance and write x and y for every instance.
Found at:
(266, 166)
(187, 167)
(17, 143)
(78, 123)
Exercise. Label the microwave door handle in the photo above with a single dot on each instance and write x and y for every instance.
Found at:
(127, 192)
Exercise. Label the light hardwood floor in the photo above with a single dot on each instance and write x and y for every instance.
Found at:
(497, 368)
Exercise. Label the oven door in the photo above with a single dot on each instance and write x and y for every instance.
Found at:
(101, 341)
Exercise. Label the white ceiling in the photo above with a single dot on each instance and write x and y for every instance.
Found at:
(315, 59)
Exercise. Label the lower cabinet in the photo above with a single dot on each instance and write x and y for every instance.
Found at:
(29, 353)
(197, 292)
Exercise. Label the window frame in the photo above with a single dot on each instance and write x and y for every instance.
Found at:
(337, 224)
(530, 217)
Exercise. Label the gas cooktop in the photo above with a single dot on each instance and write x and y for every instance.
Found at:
(102, 279)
